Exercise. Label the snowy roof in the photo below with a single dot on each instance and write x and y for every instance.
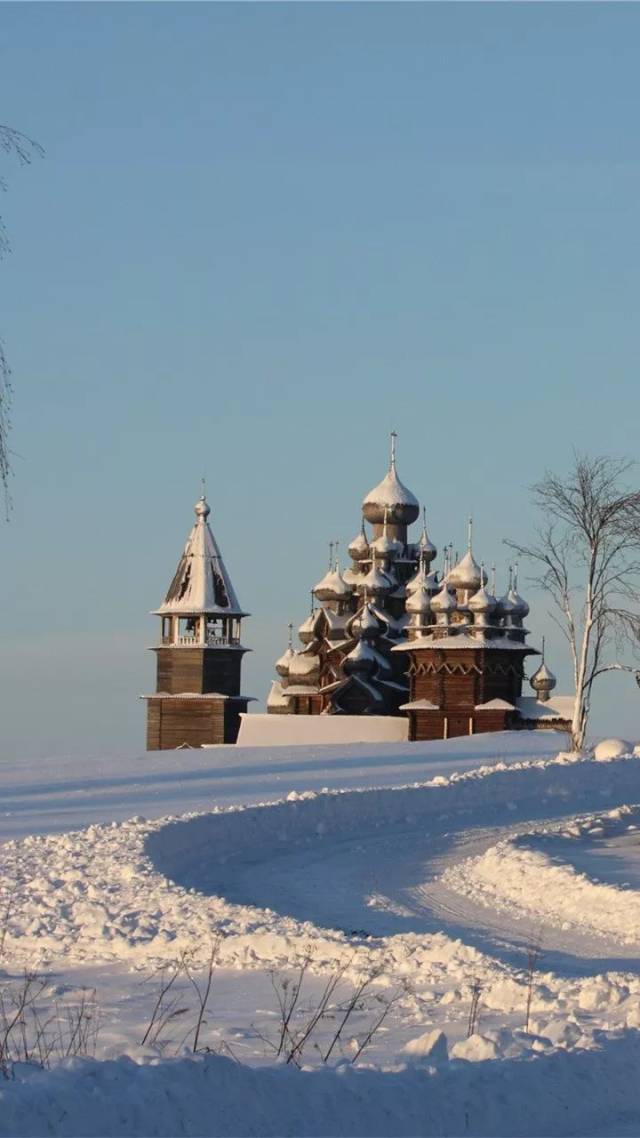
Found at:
(495, 705)
(301, 689)
(558, 707)
(419, 705)
(196, 695)
(462, 640)
(276, 696)
(201, 583)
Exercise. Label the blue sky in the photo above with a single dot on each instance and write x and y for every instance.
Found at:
(262, 236)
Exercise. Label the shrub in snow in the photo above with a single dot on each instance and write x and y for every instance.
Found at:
(431, 1045)
(611, 749)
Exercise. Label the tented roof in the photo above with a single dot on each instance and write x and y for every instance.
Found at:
(201, 583)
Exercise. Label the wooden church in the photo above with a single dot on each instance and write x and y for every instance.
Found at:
(197, 701)
(390, 635)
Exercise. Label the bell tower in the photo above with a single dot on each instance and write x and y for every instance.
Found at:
(199, 655)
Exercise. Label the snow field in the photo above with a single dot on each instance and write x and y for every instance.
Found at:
(128, 891)
(115, 901)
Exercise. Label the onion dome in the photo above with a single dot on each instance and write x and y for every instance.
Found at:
(444, 601)
(467, 574)
(482, 603)
(375, 583)
(385, 546)
(425, 546)
(359, 548)
(504, 606)
(307, 630)
(282, 665)
(365, 624)
(370, 628)
(543, 681)
(332, 587)
(351, 577)
(520, 608)
(360, 659)
(419, 602)
(304, 667)
(391, 495)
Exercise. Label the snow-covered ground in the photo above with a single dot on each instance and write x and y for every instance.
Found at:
(461, 880)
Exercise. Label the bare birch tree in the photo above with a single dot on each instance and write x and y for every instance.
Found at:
(16, 145)
(587, 557)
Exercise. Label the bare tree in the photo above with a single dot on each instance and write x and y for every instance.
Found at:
(16, 145)
(587, 558)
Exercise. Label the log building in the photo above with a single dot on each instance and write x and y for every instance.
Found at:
(199, 655)
(392, 636)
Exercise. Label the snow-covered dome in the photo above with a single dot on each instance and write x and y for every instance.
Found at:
(419, 602)
(482, 602)
(385, 546)
(425, 546)
(332, 587)
(391, 495)
(202, 508)
(307, 630)
(543, 681)
(519, 607)
(467, 574)
(351, 577)
(304, 667)
(444, 601)
(375, 583)
(360, 659)
(282, 665)
(359, 547)
(366, 624)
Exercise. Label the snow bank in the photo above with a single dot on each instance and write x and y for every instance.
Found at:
(550, 1095)
(612, 748)
(512, 876)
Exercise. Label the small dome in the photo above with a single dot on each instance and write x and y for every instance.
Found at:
(307, 630)
(467, 574)
(332, 587)
(425, 546)
(375, 583)
(419, 602)
(543, 681)
(359, 547)
(202, 508)
(387, 547)
(482, 602)
(519, 607)
(444, 600)
(391, 496)
(360, 659)
(366, 624)
(282, 665)
(351, 577)
(304, 667)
